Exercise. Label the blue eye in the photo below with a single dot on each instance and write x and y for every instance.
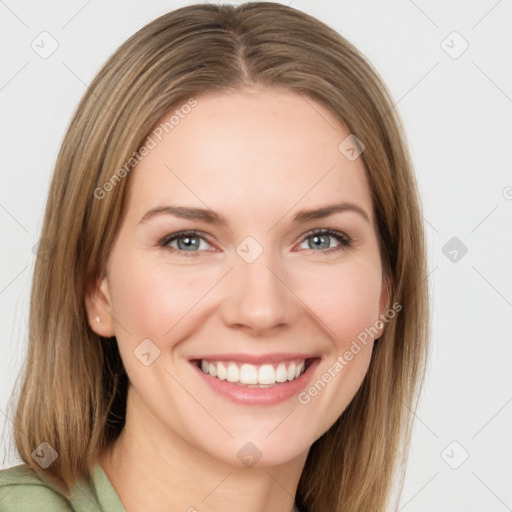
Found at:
(321, 239)
(192, 243)
(188, 242)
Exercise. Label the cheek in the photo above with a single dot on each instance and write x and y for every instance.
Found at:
(150, 299)
(346, 300)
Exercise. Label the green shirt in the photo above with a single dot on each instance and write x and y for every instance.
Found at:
(22, 490)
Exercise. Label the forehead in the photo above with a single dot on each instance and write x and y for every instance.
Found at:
(241, 152)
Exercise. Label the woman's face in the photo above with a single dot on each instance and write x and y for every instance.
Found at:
(252, 288)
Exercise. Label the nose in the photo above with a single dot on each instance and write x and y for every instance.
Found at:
(257, 297)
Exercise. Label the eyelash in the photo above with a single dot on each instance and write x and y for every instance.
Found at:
(345, 241)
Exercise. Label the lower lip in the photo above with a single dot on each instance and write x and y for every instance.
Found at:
(259, 396)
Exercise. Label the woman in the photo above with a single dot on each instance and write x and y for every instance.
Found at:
(234, 311)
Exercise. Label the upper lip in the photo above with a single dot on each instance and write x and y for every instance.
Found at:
(255, 359)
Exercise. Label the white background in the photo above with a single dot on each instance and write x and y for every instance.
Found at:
(457, 113)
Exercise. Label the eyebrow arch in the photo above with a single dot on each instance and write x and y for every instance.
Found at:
(211, 217)
(185, 212)
(325, 211)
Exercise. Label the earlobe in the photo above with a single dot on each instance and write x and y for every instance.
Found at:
(99, 308)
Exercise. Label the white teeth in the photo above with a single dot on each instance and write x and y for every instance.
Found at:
(291, 371)
(266, 374)
(281, 373)
(252, 375)
(248, 374)
(222, 373)
(233, 373)
(299, 369)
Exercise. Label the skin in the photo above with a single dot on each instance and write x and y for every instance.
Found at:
(257, 157)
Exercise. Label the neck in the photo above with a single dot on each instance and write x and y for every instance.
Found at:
(154, 469)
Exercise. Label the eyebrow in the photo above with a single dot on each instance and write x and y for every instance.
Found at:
(214, 218)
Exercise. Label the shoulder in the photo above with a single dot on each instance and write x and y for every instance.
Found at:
(22, 490)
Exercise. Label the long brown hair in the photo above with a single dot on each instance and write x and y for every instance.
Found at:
(73, 386)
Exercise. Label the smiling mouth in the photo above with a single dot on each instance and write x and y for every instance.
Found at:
(254, 376)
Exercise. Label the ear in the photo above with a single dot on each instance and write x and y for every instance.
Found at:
(99, 307)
